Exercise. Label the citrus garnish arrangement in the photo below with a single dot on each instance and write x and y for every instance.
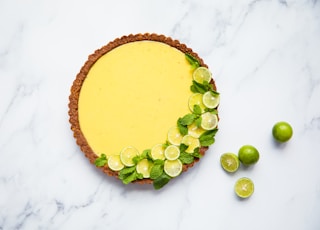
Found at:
(248, 155)
(166, 125)
(195, 130)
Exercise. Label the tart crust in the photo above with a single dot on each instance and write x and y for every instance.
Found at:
(81, 76)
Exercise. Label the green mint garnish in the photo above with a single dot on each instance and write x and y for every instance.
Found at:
(101, 161)
(157, 169)
(129, 174)
(207, 138)
(192, 60)
(161, 181)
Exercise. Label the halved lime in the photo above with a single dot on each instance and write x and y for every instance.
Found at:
(229, 162)
(195, 131)
(127, 154)
(244, 187)
(114, 163)
(157, 152)
(144, 167)
(201, 75)
(210, 99)
(174, 136)
(173, 168)
(196, 99)
(191, 142)
(209, 121)
(172, 152)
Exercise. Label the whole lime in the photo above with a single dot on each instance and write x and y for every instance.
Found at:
(248, 155)
(282, 131)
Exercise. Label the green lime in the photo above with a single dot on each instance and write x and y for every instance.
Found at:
(157, 152)
(174, 136)
(144, 167)
(209, 121)
(229, 162)
(191, 142)
(282, 131)
(173, 168)
(210, 99)
(201, 75)
(127, 154)
(196, 99)
(248, 155)
(244, 187)
(114, 163)
(172, 152)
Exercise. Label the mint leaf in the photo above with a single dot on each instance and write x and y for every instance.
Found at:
(157, 169)
(187, 119)
(182, 128)
(207, 138)
(183, 147)
(127, 175)
(197, 87)
(101, 161)
(161, 181)
(125, 172)
(198, 121)
(197, 110)
(186, 158)
(192, 60)
(196, 153)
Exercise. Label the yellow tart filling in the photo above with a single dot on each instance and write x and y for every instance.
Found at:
(133, 95)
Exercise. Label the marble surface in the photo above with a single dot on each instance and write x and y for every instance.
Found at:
(265, 57)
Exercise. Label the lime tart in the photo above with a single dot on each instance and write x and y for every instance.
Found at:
(143, 109)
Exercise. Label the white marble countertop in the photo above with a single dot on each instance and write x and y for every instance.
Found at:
(265, 57)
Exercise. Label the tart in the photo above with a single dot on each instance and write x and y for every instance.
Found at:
(143, 108)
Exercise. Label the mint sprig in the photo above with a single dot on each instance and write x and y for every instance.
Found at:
(101, 161)
(129, 174)
(207, 138)
(192, 60)
(161, 181)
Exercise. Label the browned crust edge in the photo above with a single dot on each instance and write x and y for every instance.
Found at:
(77, 84)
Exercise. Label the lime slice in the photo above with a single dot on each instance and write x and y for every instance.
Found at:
(144, 167)
(114, 163)
(209, 121)
(210, 99)
(172, 152)
(191, 142)
(173, 168)
(229, 162)
(196, 99)
(157, 152)
(244, 187)
(201, 75)
(174, 136)
(195, 131)
(127, 154)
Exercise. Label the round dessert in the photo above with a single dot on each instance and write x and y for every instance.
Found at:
(143, 108)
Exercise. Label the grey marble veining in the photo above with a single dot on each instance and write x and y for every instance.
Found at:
(264, 55)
